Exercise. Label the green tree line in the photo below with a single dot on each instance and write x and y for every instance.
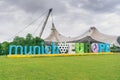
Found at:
(29, 40)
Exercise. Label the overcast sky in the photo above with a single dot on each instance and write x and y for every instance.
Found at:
(71, 17)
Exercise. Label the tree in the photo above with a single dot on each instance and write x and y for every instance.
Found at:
(0, 49)
(4, 48)
(37, 41)
(18, 41)
(29, 39)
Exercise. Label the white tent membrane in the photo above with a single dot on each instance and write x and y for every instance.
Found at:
(55, 36)
(92, 35)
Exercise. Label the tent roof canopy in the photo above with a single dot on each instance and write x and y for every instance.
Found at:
(91, 35)
(55, 36)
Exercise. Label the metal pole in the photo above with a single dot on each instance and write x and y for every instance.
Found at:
(43, 27)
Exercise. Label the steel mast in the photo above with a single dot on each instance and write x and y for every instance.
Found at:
(43, 27)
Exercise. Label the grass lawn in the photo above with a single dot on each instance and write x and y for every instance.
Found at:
(95, 67)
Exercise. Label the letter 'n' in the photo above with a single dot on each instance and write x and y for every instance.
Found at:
(36, 49)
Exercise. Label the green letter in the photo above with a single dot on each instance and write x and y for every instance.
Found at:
(79, 48)
(87, 47)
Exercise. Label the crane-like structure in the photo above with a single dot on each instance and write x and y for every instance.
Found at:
(44, 24)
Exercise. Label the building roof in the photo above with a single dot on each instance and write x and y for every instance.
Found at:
(91, 35)
(55, 36)
(95, 35)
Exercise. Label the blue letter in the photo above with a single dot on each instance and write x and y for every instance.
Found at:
(34, 49)
(107, 47)
(101, 47)
(42, 48)
(48, 49)
(16, 49)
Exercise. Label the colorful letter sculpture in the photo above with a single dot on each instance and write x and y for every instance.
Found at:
(87, 48)
(60, 48)
(79, 47)
(71, 48)
(63, 47)
(94, 47)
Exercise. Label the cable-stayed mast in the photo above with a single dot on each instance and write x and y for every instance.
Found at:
(43, 27)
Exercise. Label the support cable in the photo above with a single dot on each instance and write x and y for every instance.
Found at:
(27, 26)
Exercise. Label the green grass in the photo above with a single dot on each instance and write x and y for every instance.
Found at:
(96, 67)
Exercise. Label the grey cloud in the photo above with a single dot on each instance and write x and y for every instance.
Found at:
(32, 6)
(99, 6)
(76, 14)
